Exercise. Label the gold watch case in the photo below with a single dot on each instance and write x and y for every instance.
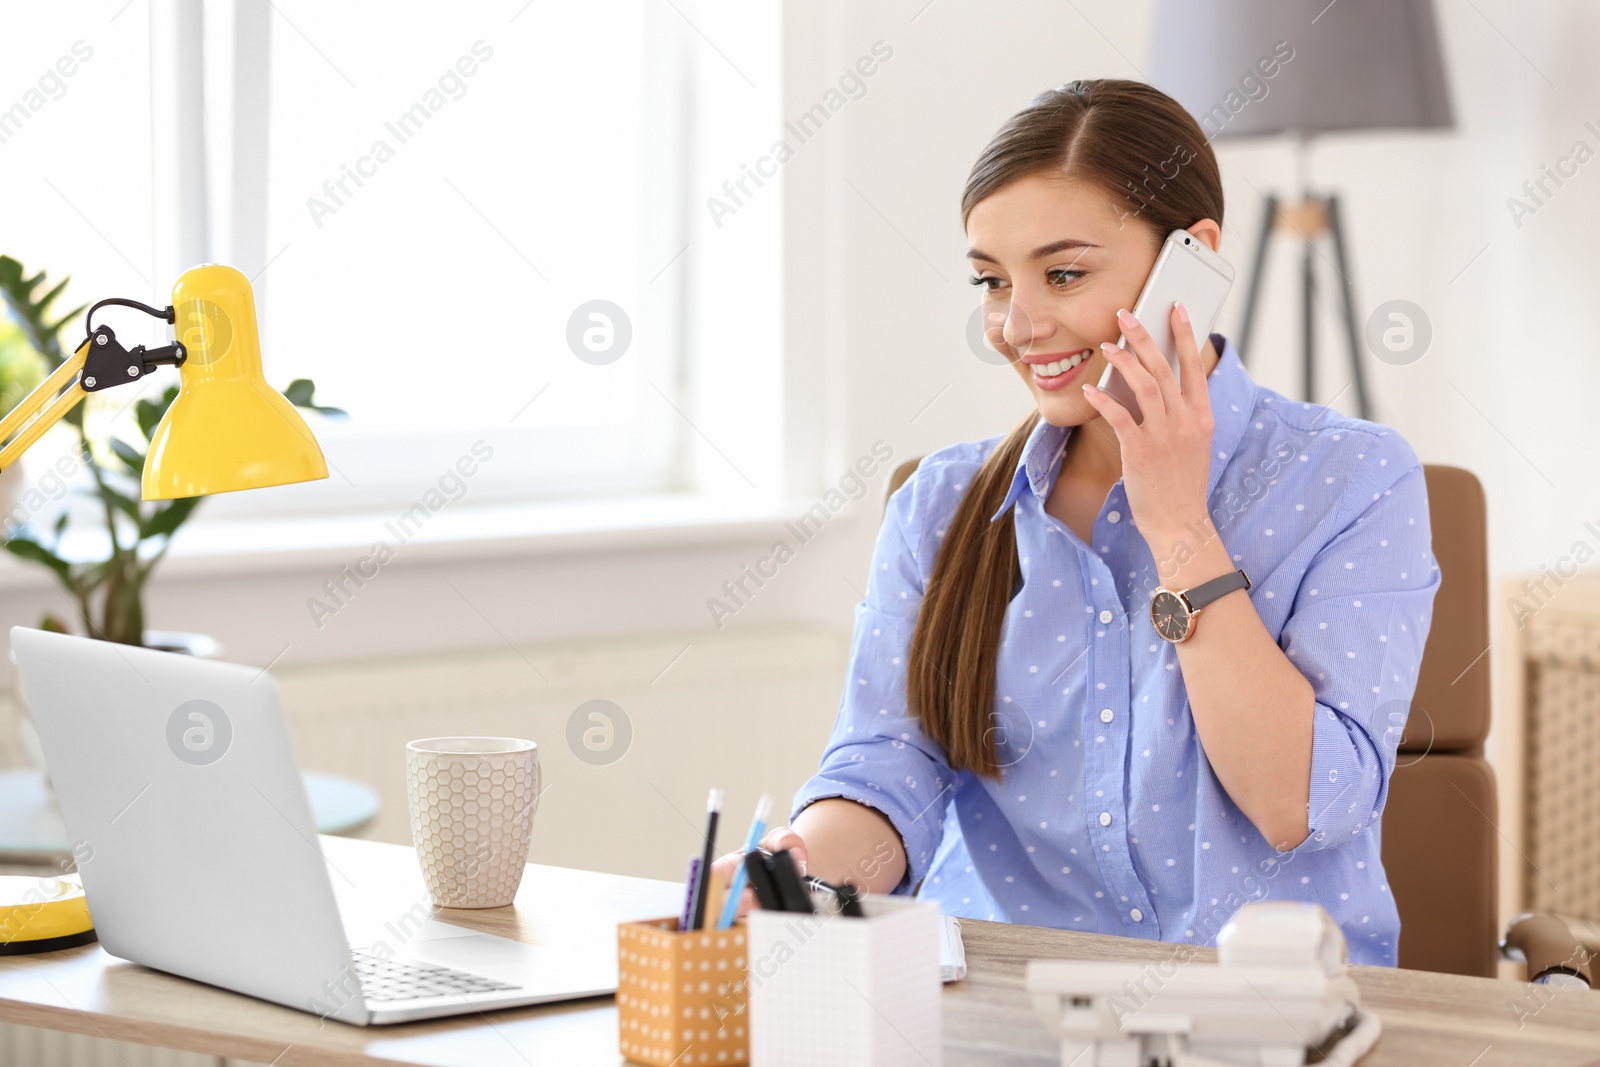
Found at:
(1172, 615)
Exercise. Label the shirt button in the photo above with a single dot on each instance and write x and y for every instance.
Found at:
(1138, 916)
(1105, 818)
(1105, 615)
(1114, 516)
(1106, 714)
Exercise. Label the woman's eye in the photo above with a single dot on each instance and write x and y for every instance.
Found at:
(1059, 278)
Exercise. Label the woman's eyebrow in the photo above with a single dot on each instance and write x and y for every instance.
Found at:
(1038, 253)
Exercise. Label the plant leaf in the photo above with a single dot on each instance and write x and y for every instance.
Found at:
(129, 455)
(299, 394)
(42, 305)
(121, 501)
(17, 290)
(68, 317)
(92, 576)
(299, 391)
(34, 552)
(150, 412)
(169, 518)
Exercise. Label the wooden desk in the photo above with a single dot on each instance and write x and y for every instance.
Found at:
(1427, 1018)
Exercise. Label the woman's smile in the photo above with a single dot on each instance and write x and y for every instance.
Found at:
(1058, 370)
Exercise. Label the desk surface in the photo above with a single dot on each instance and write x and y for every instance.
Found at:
(1427, 1018)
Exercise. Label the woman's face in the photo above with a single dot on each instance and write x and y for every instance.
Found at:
(1056, 259)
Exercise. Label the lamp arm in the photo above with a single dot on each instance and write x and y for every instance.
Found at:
(108, 362)
(30, 405)
(100, 362)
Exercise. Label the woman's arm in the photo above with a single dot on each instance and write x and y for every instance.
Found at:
(1305, 766)
(843, 841)
(837, 840)
(1354, 635)
(1252, 707)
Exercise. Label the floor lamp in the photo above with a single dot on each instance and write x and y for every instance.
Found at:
(1303, 68)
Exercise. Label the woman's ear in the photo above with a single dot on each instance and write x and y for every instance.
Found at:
(1209, 232)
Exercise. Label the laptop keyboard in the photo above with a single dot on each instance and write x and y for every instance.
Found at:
(385, 980)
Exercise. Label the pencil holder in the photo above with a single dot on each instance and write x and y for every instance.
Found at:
(681, 996)
(847, 991)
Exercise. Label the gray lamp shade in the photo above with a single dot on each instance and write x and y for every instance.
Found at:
(1252, 68)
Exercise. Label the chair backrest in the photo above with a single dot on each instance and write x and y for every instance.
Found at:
(1440, 845)
(1440, 848)
(898, 478)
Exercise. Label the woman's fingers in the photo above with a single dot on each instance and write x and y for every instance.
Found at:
(1151, 406)
(1149, 356)
(1192, 371)
(723, 867)
(782, 837)
(776, 840)
(1112, 410)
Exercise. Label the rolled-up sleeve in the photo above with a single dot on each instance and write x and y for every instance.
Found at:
(877, 754)
(1361, 619)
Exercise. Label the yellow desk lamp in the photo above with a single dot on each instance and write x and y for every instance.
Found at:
(227, 429)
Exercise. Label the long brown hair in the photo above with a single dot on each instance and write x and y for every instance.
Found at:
(1133, 141)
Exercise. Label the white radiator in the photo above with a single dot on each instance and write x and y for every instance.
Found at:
(746, 709)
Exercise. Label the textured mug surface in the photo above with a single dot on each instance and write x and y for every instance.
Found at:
(472, 801)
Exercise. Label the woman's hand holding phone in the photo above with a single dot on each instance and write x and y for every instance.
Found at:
(1166, 459)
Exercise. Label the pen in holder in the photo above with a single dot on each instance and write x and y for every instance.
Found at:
(847, 991)
(681, 996)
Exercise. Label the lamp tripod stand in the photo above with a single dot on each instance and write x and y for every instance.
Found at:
(1309, 218)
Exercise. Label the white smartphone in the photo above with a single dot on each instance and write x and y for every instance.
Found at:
(1185, 270)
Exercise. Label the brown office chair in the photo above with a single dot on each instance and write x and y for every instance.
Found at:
(1440, 845)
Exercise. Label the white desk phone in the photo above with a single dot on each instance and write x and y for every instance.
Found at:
(1279, 985)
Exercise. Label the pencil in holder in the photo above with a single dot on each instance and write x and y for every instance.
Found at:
(681, 996)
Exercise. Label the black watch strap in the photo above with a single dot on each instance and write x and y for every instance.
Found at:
(1206, 592)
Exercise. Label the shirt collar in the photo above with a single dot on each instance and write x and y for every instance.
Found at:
(1232, 393)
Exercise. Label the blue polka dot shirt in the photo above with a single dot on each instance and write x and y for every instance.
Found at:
(1108, 817)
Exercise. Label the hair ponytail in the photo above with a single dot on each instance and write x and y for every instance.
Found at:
(950, 676)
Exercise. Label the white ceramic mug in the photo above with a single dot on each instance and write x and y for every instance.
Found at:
(472, 801)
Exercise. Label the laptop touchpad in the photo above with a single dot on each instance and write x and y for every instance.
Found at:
(497, 957)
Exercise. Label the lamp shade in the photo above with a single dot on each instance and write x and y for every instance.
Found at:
(227, 429)
(1352, 65)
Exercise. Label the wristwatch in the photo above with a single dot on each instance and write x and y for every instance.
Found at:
(1173, 611)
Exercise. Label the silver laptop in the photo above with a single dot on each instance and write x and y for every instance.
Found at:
(200, 856)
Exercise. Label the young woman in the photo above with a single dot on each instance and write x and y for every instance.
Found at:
(1021, 737)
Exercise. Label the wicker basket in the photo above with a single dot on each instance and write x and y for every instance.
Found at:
(1561, 771)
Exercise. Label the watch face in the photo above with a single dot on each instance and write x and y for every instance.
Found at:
(1170, 617)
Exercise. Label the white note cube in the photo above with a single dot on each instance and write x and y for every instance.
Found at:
(847, 991)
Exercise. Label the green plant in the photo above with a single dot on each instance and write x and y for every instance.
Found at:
(139, 532)
(21, 368)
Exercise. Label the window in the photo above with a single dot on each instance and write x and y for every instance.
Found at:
(75, 140)
(448, 217)
(469, 213)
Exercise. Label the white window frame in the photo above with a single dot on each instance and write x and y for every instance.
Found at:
(231, 227)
